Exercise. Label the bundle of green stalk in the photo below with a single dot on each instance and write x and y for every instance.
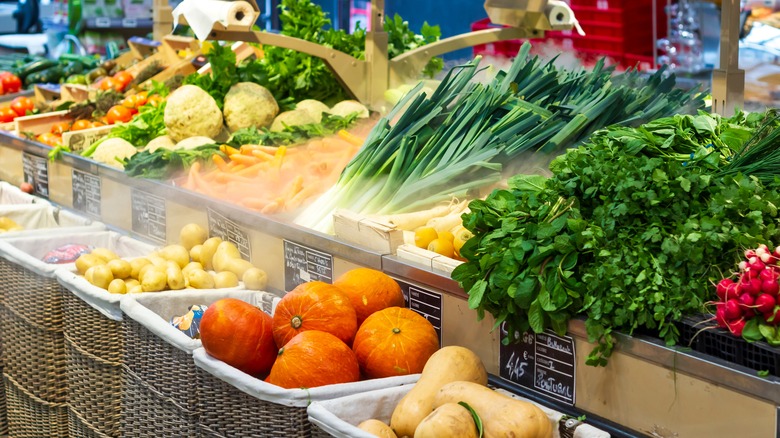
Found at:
(631, 230)
(461, 137)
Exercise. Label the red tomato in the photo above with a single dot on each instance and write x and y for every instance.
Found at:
(49, 139)
(111, 84)
(118, 113)
(22, 104)
(11, 83)
(78, 125)
(154, 100)
(134, 101)
(124, 78)
(97, 124)
(7, 115)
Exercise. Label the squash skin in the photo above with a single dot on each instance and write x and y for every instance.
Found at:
(502, 416)
(314, 358)
(449, 420)
(314, 306)
(377, 428)
(449, 364)
(238, 334)
(395, 341)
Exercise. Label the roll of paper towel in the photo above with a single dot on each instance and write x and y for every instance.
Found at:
(201, 15)
(559, 13)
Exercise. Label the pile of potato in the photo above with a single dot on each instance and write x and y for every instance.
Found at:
(199, 262)
(7, 225)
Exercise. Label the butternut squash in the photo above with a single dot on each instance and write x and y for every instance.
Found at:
(449, 364)
(502, 416)
(377, 428)
(449, 420)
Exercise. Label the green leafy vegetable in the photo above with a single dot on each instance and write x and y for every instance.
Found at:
(147, 125)
(165, 163)
(292, 134)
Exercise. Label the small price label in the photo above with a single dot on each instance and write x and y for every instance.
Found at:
(36, 172)
(542, 362)
(224, 228)
(102, 22)
(86, 193)
(129, 22)
(425, 302)
(148, 214)
(303, 264)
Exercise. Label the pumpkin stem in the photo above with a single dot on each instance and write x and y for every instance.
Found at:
(396, 330)
(281, 350)
(296, 322)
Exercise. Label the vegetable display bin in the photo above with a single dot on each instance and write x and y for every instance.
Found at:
(10, 194)
(339, 417)
(161, 384)
(3, 408)
(44, 218)
(32, 314)
(31, 417)
(236, 404)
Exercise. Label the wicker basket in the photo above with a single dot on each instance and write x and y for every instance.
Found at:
(31, 417)
(161, 381)
(238, 405)
(78, 428)
(340, 417)
(32, 323)
(3, 410)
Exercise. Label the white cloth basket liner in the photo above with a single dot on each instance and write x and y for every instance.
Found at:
(299, 398)
(100, 299)
(29, 251)
(10, 194)
(340, 417)
(44, 218)
(155, 310)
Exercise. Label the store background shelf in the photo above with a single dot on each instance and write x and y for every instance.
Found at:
(98, 23)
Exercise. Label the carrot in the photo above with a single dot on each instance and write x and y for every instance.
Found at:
(262, 155)
(251, 171)
(247, 160)
(228, 150)
(198, 182)
(220, 162)
(351, 138)
(279, 156)
(237, 168)
(295, 186)
(272, 207)
(255, 203)
(227, 176)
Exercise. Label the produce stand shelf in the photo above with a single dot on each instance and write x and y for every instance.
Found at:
(647, 388)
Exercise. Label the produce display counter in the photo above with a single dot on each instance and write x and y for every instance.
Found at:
(647, 387)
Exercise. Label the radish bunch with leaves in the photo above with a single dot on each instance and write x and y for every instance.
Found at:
(747, 305)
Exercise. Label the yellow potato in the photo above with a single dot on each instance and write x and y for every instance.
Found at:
(137, 264)
(105, 253)
(16, 228)
(6, 223)
(200, 279)
(154, 280)
(175, 276)
(207, 252)
(86, 261)
(255, 279)
(137, 289)
(117, 286)
(99, 276)
(225, 279)
(226, 251)
(120, 268)
(190, 266)
(176, 253)
(191, 235)
(158, 261)
(130, 282)
(195, 253)
(237, 266)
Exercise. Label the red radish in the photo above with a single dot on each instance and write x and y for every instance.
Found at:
(720, 289)
(758, 266)
(736, 327)
(755, 286)
(765, 303)
(750, 254)
(746, 301)
(768, 274)
(752, 273)
(771, 287)
(766, 257)
(763, 247)
(773, 316)
(720, 317)
(732, 310)
(777, 251)
(743, 266)
(732, 291)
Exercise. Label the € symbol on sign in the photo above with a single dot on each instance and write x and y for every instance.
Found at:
(525, 355)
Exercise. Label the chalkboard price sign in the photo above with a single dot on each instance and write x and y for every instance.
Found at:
(303, 264)
(228, 230)
(542, 362)
(86, 193)
(425, 302)
(36, 172)
(149, 215)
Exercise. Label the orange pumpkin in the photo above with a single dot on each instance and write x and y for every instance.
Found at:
(394, 342)
(314, 306)
(314, 358)
(369, 290)
(239, 334)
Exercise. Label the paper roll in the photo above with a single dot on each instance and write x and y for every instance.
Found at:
(202, 15)
(560, 14)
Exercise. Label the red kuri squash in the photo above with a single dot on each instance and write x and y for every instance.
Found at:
(314, 306)
(314, 358)
(394, 342)
(239, 334)
(369, 290)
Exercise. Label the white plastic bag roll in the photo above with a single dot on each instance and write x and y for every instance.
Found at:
(202, 15)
